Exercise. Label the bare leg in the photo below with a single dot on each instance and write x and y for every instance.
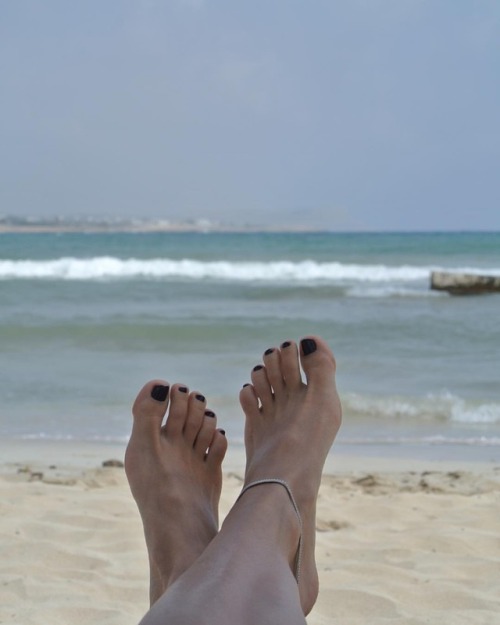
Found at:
(173, 479)
(246, 574)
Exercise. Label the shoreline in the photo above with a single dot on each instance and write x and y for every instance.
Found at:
(72, 457)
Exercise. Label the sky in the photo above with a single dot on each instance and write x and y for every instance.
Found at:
(349, 115)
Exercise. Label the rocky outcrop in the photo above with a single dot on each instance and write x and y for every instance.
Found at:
(464, 283)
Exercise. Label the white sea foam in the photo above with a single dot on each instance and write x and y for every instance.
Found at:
(442, 407)
(377, 441)
(111, 268)
(381, 291)
(485, 413)
(479, 441)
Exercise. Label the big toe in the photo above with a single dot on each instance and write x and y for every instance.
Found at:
(149, 409)
(317, 360)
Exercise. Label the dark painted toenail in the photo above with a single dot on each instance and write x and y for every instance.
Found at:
(268, 351)
(258, 367)
(200, 397)
(245, 385)
(159, 392)
(308, 346)
(209, 413)
(285, 344)
(223, 432)
(183, 389)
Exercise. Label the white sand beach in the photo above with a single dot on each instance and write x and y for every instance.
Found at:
(397, 541)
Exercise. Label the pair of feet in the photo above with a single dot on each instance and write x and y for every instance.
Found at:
(174, 466)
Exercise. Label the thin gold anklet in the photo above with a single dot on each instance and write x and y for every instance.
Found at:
(298, 557)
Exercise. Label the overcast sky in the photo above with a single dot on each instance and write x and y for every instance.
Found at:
(350, 115)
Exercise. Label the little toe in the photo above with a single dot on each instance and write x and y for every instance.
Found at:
(290, 364)
(177, 414)
(217, 449)
(149, 408)
(195, 416)
(262, 385)
(206, 433)
(249, 401)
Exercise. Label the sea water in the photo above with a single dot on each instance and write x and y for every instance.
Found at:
(87, 318)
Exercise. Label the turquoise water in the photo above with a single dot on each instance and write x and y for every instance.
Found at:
(85, 319)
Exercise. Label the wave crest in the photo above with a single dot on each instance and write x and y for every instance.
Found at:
(111, 268)
(442, 407)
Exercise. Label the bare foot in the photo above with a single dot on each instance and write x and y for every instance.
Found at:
(174, 472)
(290, 427)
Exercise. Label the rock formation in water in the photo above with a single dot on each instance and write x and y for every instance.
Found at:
(464, 283)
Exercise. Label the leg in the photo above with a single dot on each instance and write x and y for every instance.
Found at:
(290, 428)
(175, 481)
(246, 574)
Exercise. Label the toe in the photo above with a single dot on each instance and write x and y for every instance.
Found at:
(195, 416)
(206, 433)
(272, 362)
(317, 360)
(178, 410)
(217, 449)
(262, 385)
(290, 364)
(149, 408)
(249, 401)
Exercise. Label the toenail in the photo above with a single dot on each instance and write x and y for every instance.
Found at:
(159, 392)
(308, 346)
(223, 432)
(245, 385)
(209, 413)
(183, 389)
(258, 367)
(200, 397)
(285, 344)
(268, 351)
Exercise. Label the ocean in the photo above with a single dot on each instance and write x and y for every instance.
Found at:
(87, 318)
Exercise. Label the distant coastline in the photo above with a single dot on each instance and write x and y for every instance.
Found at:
(56, 225)
(92, 225)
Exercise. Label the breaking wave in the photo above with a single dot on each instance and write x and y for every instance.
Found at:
(441, 407)
(111, 268)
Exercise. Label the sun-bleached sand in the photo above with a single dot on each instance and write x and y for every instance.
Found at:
(397, 542)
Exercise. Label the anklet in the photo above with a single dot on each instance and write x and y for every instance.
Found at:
(298, 557)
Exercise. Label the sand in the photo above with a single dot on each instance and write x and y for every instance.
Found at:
(397, 541)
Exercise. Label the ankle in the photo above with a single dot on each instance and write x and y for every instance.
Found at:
(275, 518)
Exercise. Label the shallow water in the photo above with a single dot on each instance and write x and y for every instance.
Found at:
(85, 319)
